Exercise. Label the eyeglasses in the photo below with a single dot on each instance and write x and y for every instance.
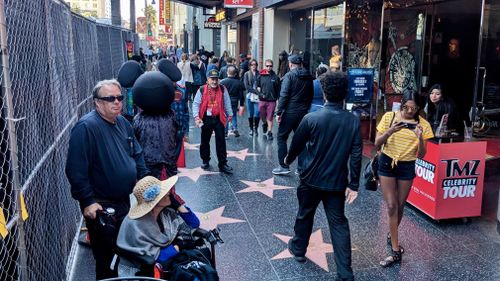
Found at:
(269, 65)
(413, 108)
(111, 98)
(253, 64)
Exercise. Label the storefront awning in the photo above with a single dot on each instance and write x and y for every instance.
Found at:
(201, 3)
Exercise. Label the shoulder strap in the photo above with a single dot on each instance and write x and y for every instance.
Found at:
(390, 124)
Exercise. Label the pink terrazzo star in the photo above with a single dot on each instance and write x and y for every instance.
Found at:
(241, 154)
(212, 219)
(194, 174)
(316, 252)
(266, 187)
(190, 146)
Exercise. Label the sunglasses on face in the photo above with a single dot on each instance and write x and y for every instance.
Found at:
(269, 65)
(412, 108)
(111, 98)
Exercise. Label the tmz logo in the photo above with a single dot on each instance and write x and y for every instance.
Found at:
(462, 187)
(425, 170)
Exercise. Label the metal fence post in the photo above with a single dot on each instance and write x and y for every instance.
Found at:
(11, 127)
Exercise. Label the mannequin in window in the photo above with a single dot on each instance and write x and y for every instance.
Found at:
(336, 57)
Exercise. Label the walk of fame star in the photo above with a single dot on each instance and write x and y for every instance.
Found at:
(316, 251)
(241, 154)
(190, 146)
(266, 187)
(212, 219)
(195, 173)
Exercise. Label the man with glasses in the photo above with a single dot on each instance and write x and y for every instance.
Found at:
(104, 163)
(268, 86)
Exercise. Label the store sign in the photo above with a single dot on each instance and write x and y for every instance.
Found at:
(221, 15)
(168, 17)
(238, 3)
(211, 23)
(450, 179)
(162, 12)
(360, 85)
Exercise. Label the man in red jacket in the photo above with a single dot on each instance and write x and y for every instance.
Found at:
(211, 111)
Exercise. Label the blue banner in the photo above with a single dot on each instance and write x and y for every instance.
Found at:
(360, 85)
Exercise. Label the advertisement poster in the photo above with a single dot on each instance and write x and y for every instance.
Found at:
(360, 85)
(130, 49)
(238, 3)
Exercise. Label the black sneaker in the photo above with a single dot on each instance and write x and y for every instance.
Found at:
(236, 133)
(250, 133)
(205, 165)
(269, 135)
(281, 171)
(300, 259)
(226, 169)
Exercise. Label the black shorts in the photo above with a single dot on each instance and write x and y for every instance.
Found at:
(404, 170)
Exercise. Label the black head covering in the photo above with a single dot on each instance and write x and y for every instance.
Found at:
(128, 73)
(168, 68)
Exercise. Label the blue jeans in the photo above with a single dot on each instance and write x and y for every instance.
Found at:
(234, 122)
(252, 108)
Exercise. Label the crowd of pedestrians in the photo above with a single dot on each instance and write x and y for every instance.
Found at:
(107, 155)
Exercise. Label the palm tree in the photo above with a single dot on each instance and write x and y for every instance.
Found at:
(151, 18)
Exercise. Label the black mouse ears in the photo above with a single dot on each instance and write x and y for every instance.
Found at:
(128, 73)
(168, 68)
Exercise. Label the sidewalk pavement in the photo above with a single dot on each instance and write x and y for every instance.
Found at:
(256, 210)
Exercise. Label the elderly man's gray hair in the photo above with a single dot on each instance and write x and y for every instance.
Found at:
(100, 84)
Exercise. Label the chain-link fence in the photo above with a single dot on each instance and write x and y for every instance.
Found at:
(50, 60)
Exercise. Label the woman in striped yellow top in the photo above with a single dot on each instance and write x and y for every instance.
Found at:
(402, 136)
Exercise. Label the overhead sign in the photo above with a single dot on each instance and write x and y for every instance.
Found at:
(360, 85)
(211, 23)
(238, 3)
(162, 12)
(167, 12)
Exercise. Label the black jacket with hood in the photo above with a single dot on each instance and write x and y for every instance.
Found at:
(269, 84)
(296, 92)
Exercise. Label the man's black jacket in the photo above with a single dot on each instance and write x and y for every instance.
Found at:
(236, 90)
(328, 138)
(269, 84)
(296, 92)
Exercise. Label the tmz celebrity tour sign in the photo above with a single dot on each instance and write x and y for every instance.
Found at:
(238, 3)
(450, 179)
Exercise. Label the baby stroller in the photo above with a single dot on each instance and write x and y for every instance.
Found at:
(195, 261)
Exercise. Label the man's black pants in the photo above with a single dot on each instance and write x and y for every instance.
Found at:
(103, 243)
(333, 202)
(289, 122)
(211, 124)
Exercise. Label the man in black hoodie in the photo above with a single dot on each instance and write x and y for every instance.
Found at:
(294, 102)
(236, 90)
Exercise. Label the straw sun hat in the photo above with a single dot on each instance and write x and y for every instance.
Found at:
(148, 192)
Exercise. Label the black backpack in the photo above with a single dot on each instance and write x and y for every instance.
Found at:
(190, 265)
